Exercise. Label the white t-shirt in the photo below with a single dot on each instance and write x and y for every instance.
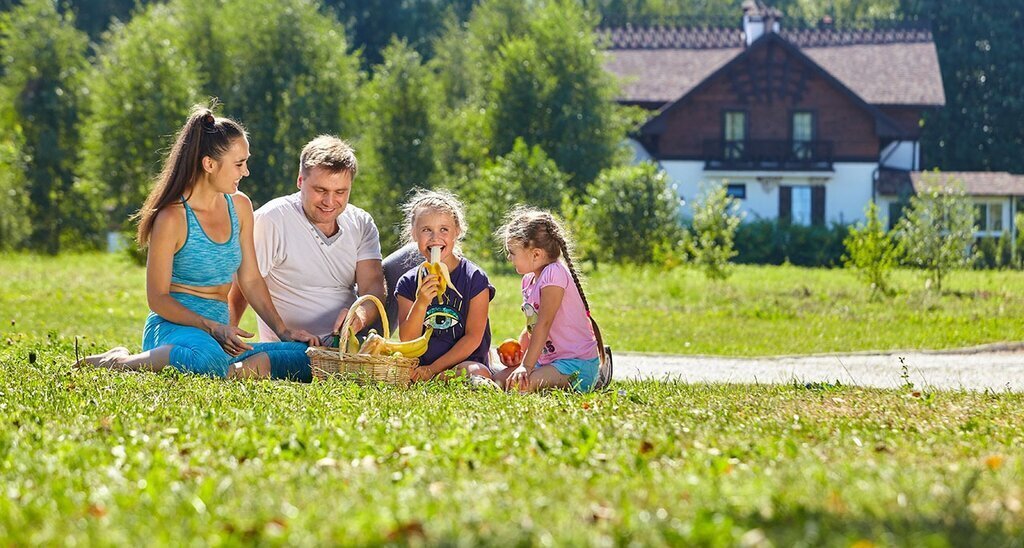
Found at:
(310, 278)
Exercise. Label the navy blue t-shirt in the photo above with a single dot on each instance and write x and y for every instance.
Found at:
(448, 317)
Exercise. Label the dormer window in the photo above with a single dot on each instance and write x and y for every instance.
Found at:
(803, 134)
(735, 134)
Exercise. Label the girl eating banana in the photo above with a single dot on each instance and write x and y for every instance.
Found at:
(447, 293)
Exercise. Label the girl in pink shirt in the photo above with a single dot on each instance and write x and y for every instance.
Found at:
(560, 345)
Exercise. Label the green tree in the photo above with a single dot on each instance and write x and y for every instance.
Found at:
(716, 217)
(373, 24)
(41, 85)
(282, 69)
(979, 51)
(526, 175)
(14, 222)
(634, 212)
(550, 88)
(871, 252)
(141, 88)
(400, 137)
(937, 230)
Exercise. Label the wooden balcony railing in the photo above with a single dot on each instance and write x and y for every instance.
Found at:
(770, 155)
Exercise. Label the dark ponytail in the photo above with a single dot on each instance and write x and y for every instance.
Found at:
(202, 135)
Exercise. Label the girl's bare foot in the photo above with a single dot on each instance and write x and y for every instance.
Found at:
(110, 359)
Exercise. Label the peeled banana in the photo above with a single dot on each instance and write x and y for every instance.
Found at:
(375, 345)
(436, 267)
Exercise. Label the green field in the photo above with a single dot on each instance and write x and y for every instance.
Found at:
(759, 311)
(90, 456)
(101, 458)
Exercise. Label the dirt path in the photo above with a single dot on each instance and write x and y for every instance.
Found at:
(997, 367)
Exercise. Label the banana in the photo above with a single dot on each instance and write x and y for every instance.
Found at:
(375, 345)
(436, 267)
(410, 349)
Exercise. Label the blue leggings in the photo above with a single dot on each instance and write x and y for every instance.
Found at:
(196, 351)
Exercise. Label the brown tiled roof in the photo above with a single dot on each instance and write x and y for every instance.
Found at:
(665, 75)
(975, 183)
(883, 67)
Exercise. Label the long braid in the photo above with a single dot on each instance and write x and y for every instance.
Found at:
(572, 269)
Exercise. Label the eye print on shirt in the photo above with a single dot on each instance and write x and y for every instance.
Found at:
(441, 318)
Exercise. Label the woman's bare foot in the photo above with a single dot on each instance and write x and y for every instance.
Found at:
(111, 359)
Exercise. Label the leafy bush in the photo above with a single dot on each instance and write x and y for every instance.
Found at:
(715, 220)
(523, 176)
(871, 252)
(994, 252)
(634, 211)
(773, 242)
(937, 231)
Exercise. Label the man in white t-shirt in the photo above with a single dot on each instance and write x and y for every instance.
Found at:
(314, 249)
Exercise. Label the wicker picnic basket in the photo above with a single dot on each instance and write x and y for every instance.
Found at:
(345, 362)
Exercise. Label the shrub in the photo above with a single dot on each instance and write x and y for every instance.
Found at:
(715, 220)
(870, 251)
(523, 176)
(773, 242)
(937, 231)
(634, 211)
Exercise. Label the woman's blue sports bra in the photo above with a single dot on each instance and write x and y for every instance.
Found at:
(201, 262)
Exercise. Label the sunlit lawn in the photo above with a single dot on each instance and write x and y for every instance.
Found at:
(758, 311)
(94, 457)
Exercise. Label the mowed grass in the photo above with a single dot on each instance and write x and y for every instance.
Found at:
(102, 458)
(760, 310)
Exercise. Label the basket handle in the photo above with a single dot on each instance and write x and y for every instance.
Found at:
(343, 342)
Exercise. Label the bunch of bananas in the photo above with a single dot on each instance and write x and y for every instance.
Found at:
(436, 267)
(375, 345)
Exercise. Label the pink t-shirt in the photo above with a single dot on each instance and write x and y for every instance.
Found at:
(571, 335)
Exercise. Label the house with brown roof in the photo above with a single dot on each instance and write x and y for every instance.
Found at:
(808, 125)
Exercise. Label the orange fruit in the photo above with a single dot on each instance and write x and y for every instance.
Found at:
(507, 350)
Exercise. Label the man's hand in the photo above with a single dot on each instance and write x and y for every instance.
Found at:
(357, 324)
(298, 335)
(230, 338)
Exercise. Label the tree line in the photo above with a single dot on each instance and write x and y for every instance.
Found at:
(501, 100)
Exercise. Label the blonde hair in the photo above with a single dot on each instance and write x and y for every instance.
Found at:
(330, 153)
(440, 200)
(536, 228)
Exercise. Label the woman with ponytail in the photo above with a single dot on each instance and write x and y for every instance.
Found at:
(198, 229)
(562, 344)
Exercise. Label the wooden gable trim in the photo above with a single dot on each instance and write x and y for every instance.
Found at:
(884, 125)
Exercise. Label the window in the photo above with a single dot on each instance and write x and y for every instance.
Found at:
(803, 134)
(737, 190)
(735, 134)
(801, 212)
(989, 216)
(895, 213)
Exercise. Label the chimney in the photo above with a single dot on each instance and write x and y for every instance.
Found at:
(758, 19)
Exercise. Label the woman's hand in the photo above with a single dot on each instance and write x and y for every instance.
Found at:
(427, 290)
(519, 379)
(422, 373)
(298, 335)
(230, 338)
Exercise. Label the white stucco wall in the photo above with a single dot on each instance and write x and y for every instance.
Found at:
(847, 188)
(901, 155)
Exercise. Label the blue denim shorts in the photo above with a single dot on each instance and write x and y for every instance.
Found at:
(583, 373)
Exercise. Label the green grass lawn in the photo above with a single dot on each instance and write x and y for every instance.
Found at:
(90, 456)
(759, 311)
(94, 457)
